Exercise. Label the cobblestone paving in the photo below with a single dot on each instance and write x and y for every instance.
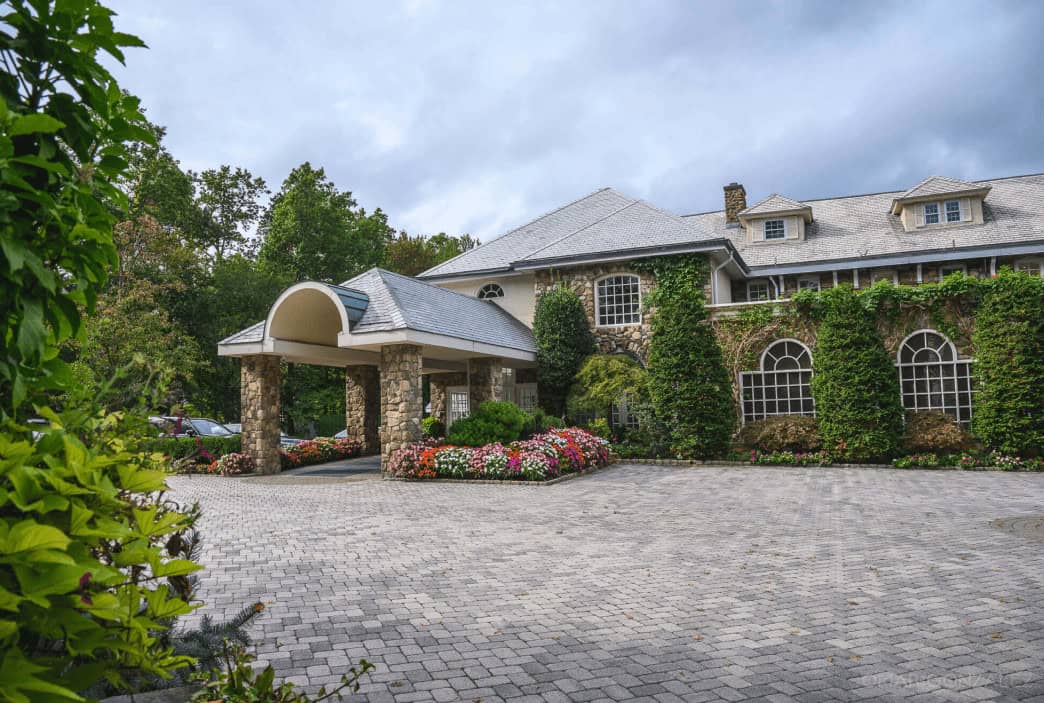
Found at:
(640, 583)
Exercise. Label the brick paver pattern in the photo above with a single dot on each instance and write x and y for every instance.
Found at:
(639, 583)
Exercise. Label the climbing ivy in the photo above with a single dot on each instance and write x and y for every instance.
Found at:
(688, 385)
(1008, 411)
(854, 385)
(563, 339)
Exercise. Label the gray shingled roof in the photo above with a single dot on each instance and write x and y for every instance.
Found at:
(861, 226)
(937, 185)
(604, 221)
(399, 302)
(773, 203)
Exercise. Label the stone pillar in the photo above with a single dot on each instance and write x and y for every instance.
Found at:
(362, 406)
(487, 381)
(259, 397)
(402, 398)
(439, 382)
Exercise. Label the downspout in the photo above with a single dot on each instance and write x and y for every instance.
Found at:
(714, 278)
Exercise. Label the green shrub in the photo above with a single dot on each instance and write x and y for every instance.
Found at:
(563, 340)
(793, 433)
(855, 384)
(182, 447)
(1008, 410)
(604, 379)
(538, 422)
(930, 431)
(85, 565)
(432, 427)
(690, 390)
(493, 421)
(599, 427)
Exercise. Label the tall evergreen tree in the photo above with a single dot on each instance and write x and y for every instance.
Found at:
(563, 339)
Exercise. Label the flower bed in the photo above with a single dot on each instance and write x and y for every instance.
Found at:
(318, 451)
(785, 458)
(543, 457)
(995, 460)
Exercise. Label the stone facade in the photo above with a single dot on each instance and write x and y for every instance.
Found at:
(438, 382)
(485, 382)
(362, 406)
(259, 396)
(633, 339)
(402, 398)
(735, 201)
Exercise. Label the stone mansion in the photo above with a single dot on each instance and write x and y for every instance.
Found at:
(466, 322)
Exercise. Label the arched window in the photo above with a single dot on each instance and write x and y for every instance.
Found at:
(490, 291)
(618, 301)
(783, 386)
(933, 377)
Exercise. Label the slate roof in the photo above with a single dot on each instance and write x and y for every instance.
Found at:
(862, 226)
(773, 203)
(605, 221)
(399, 302)
(937, 185)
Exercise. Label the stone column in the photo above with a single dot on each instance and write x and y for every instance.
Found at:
(259, 396)
(402, 398)
(362, 406)
(487, 381)
(439, 382)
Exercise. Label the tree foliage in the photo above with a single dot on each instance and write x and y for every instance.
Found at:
(1008, 410)
(230, 200)
(855, 385)
(689, 387)
(410, 255)
(604, 379)
(313, 231)
(86, 568)
(563, 339)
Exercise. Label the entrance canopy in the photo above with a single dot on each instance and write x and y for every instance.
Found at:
(348, 324)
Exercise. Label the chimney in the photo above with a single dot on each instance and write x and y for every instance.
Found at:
(735, 200)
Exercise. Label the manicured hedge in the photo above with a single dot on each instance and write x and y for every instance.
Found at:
(563, 339)
(855, 386)
(206, 448)
(1008, 411)
(690, 390)
(493, 421)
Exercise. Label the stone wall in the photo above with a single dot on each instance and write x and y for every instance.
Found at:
(259, 397)
(402, 398)
(486, 381)
(362, 406)
(633, 339)
(438, 384)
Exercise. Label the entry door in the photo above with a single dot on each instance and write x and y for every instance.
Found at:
(456, 404)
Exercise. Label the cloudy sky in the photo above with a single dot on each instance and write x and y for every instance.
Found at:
(478, 116)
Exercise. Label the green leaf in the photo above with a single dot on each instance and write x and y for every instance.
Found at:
(32, 333)
(33, 124)
(176, 567)
(28, 535)
(141, 481)
(15, 253)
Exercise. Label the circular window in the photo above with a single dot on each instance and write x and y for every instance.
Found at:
(490, 291)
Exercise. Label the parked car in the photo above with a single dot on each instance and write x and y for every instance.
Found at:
(171, 426)
(235, 427)
(343, 434)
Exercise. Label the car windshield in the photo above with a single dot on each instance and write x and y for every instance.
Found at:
(210, 428)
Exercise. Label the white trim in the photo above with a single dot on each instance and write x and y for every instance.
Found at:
(598, 307)
(302, 352)
(764, 227)
(920, 273)
(855, 278)
(993, 266)
(478, 293)
(1030, 260)
(433, 339)
(774, 342)
(768, 291)
(342, 336)
(961, 369)
(963, 267)
(835, 277)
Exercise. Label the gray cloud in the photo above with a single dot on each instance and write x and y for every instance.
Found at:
(476, 116)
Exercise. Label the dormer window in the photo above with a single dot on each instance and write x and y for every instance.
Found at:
(953, 211)
(490, 291)
(931, 213)
(775, 229)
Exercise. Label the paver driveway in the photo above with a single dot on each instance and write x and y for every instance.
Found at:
(653, 583)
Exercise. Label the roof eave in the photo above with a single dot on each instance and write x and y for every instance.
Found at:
(805, 212)
(629, 254)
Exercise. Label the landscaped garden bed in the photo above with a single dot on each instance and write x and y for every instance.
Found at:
(205, 459)
(542, 457)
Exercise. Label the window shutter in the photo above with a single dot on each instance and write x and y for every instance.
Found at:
(966, 211)
(919, 216)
